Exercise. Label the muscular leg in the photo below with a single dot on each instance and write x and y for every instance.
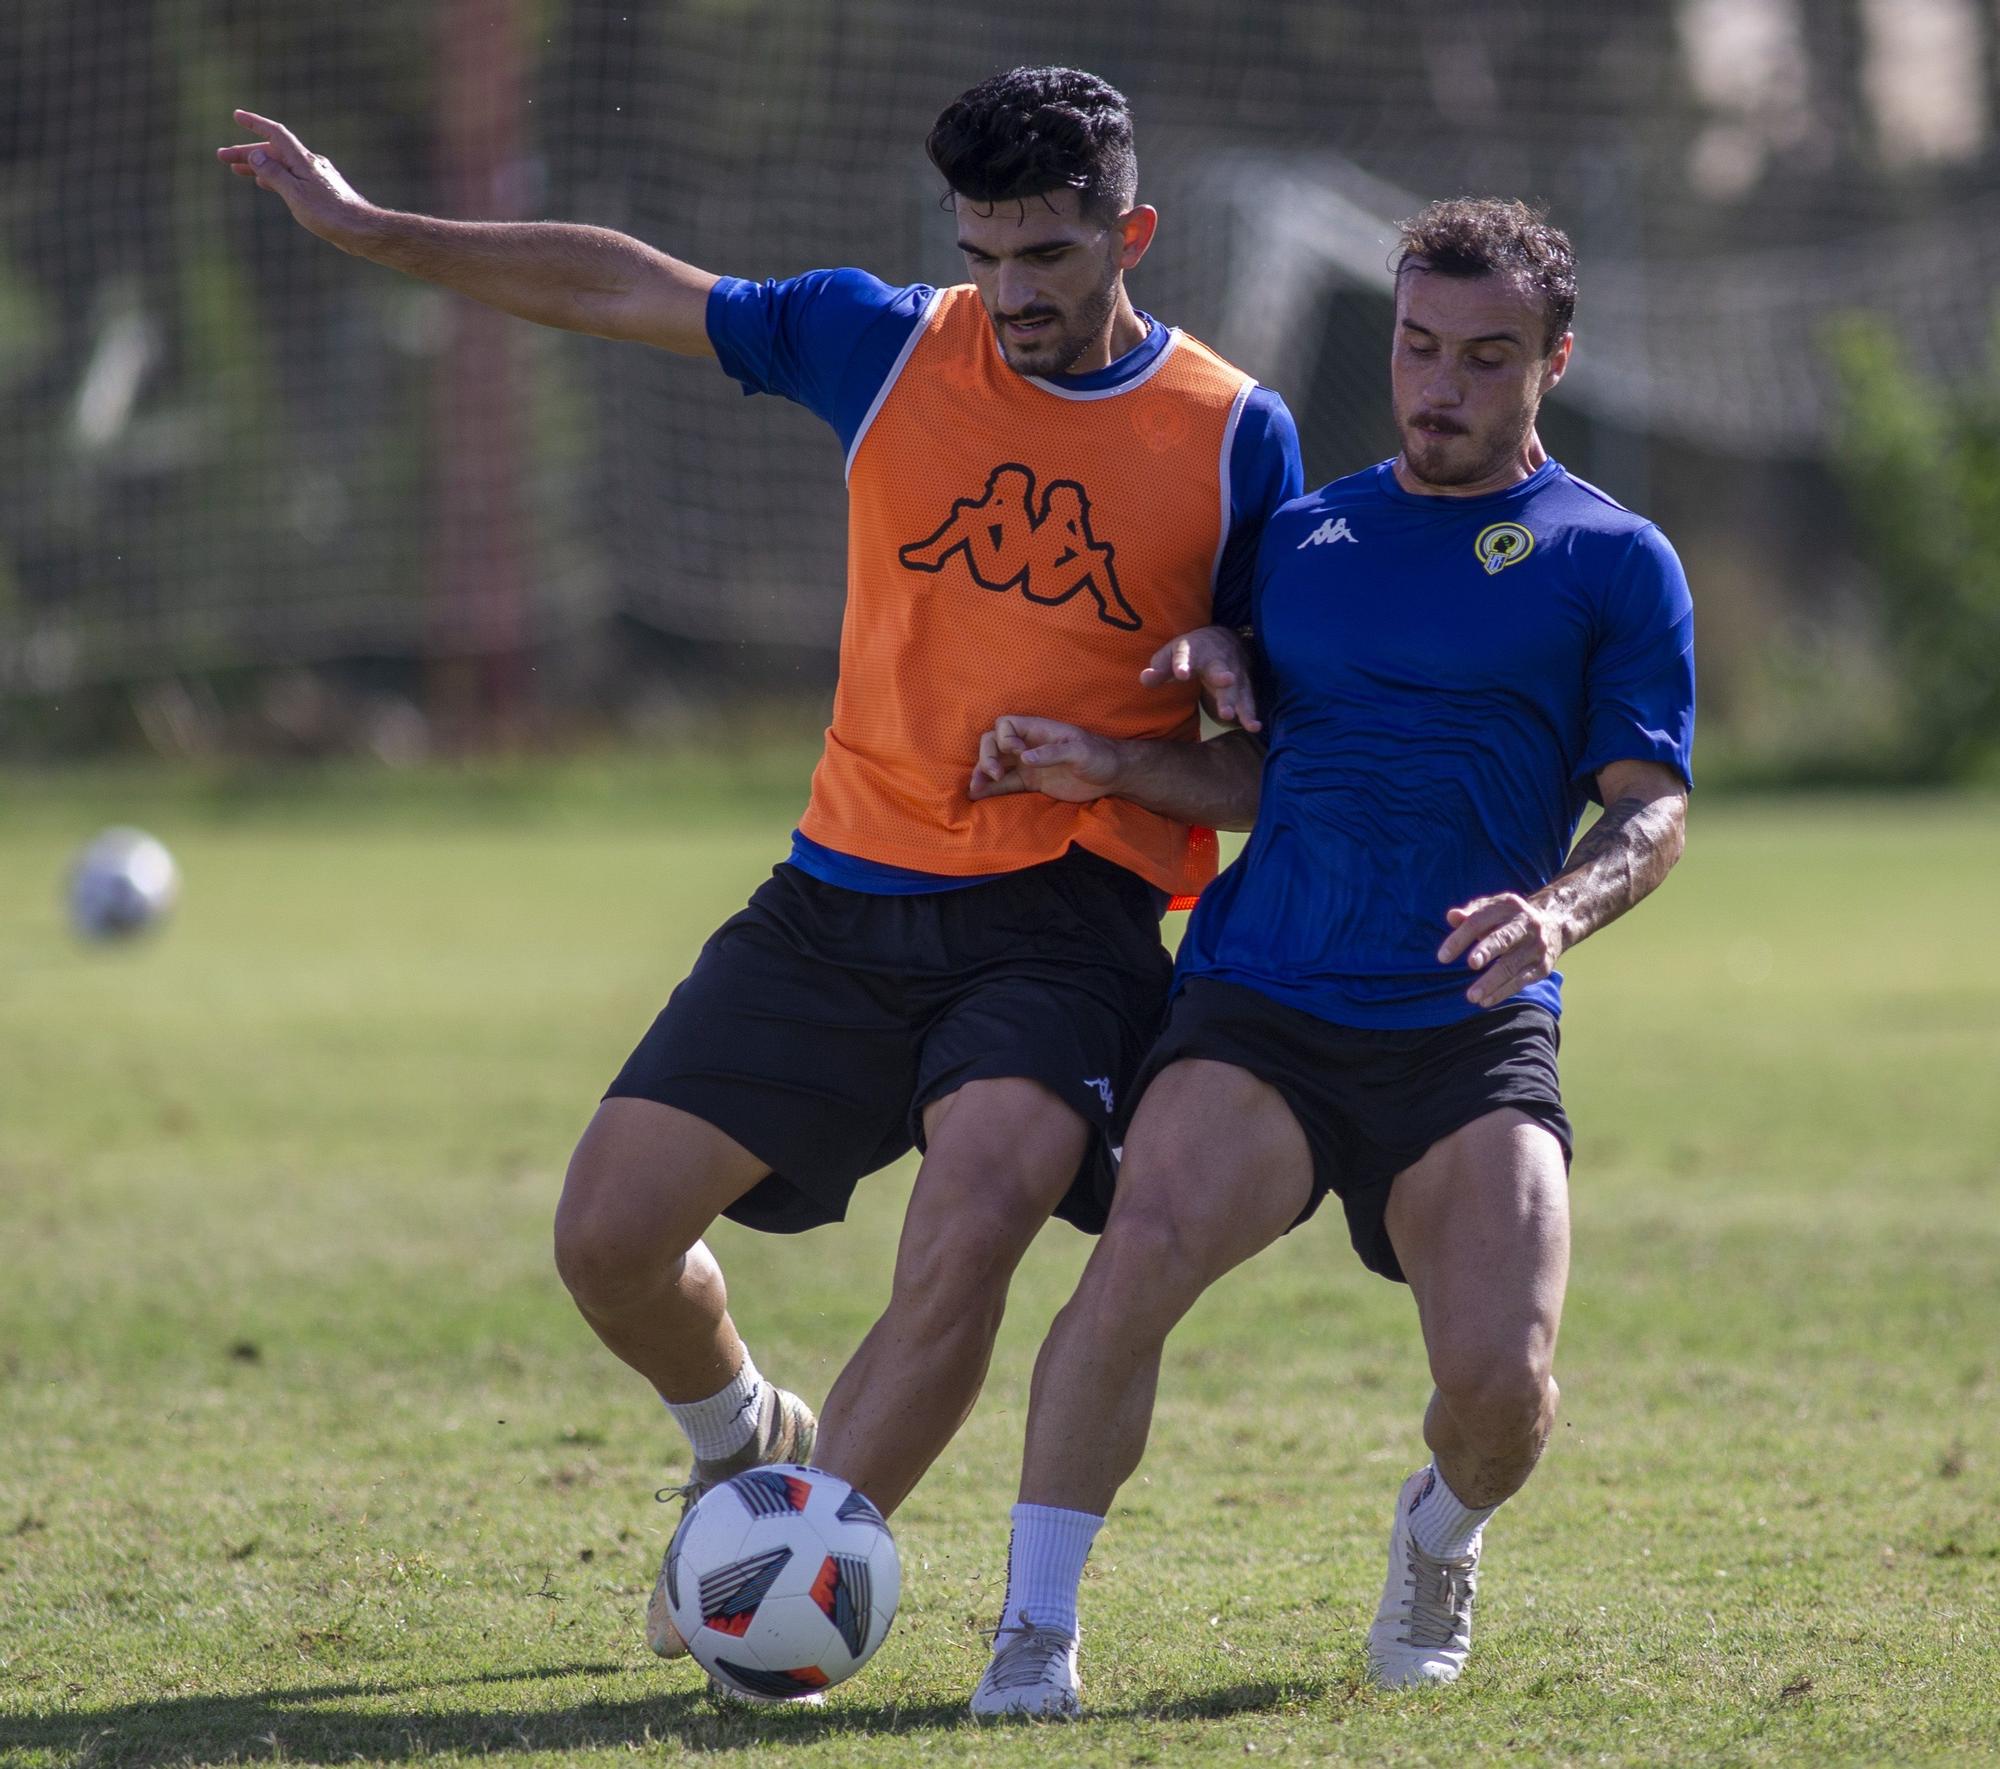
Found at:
(1481, 1226)
(1215, 1169)
(1000, 1155)
(644, 1183)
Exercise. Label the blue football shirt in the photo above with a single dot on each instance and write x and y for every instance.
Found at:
(1443, 679)
(828, 339)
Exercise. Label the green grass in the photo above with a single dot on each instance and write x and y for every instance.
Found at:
(304, 1455)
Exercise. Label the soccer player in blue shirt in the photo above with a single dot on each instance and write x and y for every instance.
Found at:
(1460, 647)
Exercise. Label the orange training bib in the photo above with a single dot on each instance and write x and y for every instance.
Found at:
(1019, 547)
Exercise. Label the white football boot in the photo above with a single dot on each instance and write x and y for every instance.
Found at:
(785, 1432)
(1032, 1674)
(1423, 1630)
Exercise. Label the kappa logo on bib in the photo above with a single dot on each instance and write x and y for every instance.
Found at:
(1010, 542)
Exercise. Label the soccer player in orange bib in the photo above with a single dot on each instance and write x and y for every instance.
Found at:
(1046, 489)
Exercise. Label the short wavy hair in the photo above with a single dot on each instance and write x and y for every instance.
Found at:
(1032, 131)
(1488, 236)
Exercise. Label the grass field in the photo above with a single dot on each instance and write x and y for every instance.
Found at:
(305, 1457)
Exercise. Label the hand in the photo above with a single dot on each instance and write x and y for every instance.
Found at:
(1046, 756)
(1220, 661)
(1511, 941)
(321, 201)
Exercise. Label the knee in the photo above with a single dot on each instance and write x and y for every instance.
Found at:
(1497, 1395)
(979, 1203)
(955, 1277)
(1144, 1239)
(616, 1241)
(1151, 1262)
(600, 1267)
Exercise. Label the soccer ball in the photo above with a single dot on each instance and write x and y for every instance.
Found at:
(782, 1581)
(123, 883)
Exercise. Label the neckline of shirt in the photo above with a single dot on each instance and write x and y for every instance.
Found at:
(1136, 365)
(1388, 484)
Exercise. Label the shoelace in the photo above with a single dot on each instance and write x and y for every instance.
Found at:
(780, 1421)
(1026, 1657)
(698, 1484)
(1440, 1596)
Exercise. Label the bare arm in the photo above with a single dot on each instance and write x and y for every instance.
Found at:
(1213, 784)
(1513, 941)
(581, 279)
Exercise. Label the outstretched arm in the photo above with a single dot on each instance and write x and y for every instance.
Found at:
(581, 279)
(1213, 784)
(1622, 857)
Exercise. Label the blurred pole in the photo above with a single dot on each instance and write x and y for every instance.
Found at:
(1988, 18)
(478, 663)
(1621, 456)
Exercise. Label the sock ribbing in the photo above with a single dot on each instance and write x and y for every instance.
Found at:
(723, 1423)
(1045, 1557)
(1441, 1524)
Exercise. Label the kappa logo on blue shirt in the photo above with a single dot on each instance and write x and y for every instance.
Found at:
(1328, 532)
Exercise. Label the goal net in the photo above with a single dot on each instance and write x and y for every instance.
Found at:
(225, 446)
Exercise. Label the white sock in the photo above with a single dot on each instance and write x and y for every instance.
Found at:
(1441, 1525)
(1045, 1559)
(722, 1424)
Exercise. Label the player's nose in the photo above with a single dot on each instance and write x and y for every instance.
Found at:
(1015, 289)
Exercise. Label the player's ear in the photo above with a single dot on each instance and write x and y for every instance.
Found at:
(1558, 363)
(1136, 228)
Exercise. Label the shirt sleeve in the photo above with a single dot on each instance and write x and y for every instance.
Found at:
(1639, 682)
(1263, 676)
(826, 340)
(1264, 472)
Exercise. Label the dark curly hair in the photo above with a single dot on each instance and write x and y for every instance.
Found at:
(1482, 236)
(1031, 131)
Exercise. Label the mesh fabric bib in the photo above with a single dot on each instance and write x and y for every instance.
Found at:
(1018, 547)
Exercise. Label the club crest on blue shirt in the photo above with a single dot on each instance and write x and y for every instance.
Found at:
(1502, 544)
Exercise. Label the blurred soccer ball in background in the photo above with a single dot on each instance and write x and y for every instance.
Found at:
(783, 1581)
(123, 883)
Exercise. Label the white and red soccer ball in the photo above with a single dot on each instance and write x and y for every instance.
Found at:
(783, 1581)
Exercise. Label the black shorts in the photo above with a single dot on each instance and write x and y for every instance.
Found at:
(1370, 1102)
(819, 1022)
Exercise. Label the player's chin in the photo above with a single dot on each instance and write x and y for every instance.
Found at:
(1030, 359)
(1047, 354)
(1442, 459)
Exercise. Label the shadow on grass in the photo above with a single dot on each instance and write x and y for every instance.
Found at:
(294, 1725)
(1220, 1704)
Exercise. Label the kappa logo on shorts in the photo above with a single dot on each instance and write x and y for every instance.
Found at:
(1103, 1085)
(1045, 551)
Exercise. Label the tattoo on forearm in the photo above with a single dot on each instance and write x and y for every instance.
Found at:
(1617, 861)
